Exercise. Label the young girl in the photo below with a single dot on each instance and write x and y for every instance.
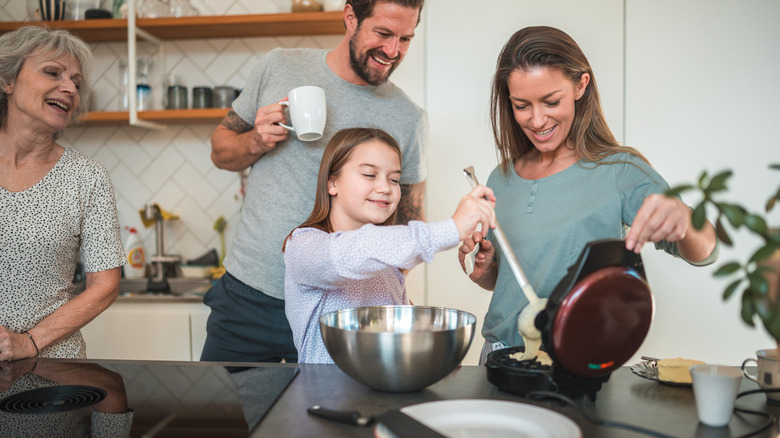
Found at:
(348, 253)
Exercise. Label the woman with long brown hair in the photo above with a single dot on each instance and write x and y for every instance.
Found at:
(563, 180)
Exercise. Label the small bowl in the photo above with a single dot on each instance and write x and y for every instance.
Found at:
(190, 271)
(397, 348)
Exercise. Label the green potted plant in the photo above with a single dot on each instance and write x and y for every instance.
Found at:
(757, 277)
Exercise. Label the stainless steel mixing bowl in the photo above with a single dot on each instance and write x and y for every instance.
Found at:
(397, 348)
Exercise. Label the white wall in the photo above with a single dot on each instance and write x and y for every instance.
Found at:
(700, 85)
(702, 93)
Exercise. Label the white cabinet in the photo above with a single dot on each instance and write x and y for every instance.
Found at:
(144, 330)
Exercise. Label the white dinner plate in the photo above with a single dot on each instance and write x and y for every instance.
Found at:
(492, 418)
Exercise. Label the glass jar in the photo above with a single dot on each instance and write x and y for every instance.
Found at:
(117, 9)
(124, 80)
(143, 88)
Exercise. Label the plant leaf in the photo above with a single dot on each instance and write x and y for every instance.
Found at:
(734, 213)
(756, 224)
(770, 203)
(718, 182)
(727, 269)
(764, 252)
(758, 283)
(748, 309)
(675, 192)
(731, 288)
(720, 231)
(702, 178)
(699, 216)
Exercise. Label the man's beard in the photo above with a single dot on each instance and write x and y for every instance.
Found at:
(360, 64)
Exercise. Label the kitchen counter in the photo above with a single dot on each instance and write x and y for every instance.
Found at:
(227, 399)
(626, 398)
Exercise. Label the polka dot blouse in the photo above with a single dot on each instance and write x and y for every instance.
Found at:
(325, 272)
(42, 230)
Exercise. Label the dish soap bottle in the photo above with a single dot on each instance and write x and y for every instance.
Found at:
(134, 250)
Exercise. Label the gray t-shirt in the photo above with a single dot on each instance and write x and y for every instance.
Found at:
(548, 221)
(281, 184)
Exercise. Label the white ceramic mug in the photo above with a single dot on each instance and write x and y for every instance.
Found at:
(768, 376)
(307, 112)
(715, 389)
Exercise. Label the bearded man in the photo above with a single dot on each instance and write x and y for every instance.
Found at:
(247, 321)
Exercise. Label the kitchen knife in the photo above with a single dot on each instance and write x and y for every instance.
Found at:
(393, 423)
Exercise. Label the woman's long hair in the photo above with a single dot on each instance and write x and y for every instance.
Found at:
(548, 47)
(335, 156)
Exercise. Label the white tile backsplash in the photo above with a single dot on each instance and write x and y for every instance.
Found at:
(173, 167)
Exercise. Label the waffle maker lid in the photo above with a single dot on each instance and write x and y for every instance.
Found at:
(599, 313)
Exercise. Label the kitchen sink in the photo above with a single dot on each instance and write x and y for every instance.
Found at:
(137, 287)
(178, 286)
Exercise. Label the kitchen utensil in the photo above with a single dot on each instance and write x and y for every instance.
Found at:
(92, 14)
(397, 348)
(76, 9)
(492, 418)
(600, 312)
(308, 112)
(223, 96)
(52, 10)
(124, 80)
(395, 422)
(596, 318)
(525, 322)
(768, 373)
(202, 97)
(715, 388)
(143, 87)
(177, 97)
(306, 5)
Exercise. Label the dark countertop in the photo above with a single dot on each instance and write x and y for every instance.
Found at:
(221, 399)
(626, 398)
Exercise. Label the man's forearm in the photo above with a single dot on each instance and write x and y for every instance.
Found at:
(232, 144)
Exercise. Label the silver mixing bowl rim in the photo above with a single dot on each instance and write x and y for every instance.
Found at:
(357, 309)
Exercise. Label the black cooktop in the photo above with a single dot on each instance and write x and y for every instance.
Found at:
(73, 398)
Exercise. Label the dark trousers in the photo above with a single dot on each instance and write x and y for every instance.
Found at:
(246, 325)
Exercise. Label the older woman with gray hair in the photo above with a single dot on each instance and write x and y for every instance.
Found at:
(56, 205)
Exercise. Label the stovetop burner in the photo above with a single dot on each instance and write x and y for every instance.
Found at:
(52, 399)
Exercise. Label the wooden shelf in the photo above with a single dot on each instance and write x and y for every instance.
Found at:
(200, 27)
(167, 117)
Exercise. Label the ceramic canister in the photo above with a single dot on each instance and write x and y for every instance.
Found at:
(52, 9)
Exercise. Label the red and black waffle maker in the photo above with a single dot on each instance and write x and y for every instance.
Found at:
(595, 320)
